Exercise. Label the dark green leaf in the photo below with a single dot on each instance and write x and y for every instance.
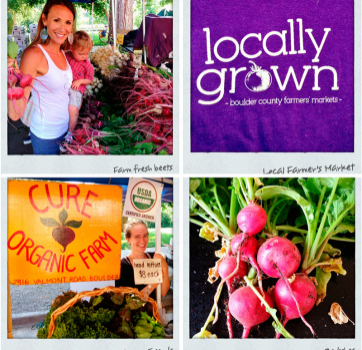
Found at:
(73, 224)
(314, 185)
(300, 221)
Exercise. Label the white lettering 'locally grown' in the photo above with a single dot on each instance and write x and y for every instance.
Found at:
(258, 79)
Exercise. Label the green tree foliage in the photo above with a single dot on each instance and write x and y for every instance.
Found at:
(28, 11)
(166, 216)
(154, 6)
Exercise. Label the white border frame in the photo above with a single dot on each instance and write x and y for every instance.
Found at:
(277, 344)
(88, 344)
(248, 162)
(98, 165)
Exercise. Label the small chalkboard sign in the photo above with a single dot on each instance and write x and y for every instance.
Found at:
(147, 271)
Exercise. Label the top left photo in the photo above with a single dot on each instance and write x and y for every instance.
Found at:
(90, 77)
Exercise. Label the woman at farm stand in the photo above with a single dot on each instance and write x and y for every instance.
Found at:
(136, 233)
(44, 60)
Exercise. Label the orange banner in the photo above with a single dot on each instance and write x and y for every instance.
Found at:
(63, 232)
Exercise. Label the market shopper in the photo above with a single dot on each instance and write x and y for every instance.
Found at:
(136, 233)
(44, 59)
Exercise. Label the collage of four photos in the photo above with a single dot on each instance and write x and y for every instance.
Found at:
(230, 212)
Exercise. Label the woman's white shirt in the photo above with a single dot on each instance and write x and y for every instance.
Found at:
(51, 120)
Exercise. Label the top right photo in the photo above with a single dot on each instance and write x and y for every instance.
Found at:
(272, 76)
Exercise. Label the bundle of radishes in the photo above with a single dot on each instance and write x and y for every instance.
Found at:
(150, 103)
(147, 97)
(17, 82)
(274, 256)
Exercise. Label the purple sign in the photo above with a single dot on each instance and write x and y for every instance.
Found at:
(272, 76)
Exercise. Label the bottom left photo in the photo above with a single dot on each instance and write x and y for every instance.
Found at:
(89, 258)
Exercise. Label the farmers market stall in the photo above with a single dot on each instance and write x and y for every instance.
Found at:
(85, 224)
(282, 200)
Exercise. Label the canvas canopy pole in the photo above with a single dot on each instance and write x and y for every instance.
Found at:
(144, 28)
(92, 17)
(158, 251)
(114, 22)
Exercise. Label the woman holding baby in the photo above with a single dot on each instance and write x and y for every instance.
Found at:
(55, 87)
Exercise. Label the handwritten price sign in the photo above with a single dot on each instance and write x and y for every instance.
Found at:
(147, 271)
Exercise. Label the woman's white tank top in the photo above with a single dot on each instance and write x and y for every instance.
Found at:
(51, 120)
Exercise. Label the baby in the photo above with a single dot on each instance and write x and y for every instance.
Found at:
(83, 73)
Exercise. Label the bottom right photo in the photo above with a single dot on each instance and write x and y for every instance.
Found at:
(272, 258)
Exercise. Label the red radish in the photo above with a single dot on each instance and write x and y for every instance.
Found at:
(166, 112)
(238, 261)
(246, 307)
(279, 257)
(12, 79)
(155, 137)
(252, 219)
(167, 129)
(168, 119)
(226, 268)
(15, 93)
(279, 253)
(248, 252)
(156, 78)
(26, 80)
(305, 293)
(157, 126)
(157, 99)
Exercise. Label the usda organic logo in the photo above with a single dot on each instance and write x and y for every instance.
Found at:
(143, 196)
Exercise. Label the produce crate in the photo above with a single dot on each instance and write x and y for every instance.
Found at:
(17, 27)
(98, 292)
(20, 37)
(16, 33)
